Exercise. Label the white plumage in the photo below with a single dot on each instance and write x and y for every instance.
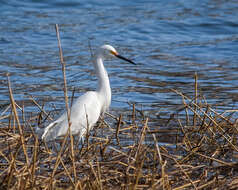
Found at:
(87, 109)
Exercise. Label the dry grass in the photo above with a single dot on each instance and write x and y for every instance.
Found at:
(127, 154)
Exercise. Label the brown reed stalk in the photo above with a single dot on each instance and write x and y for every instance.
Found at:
(79, 185)
(40, 107)
(67, 172)
(153, 170)
(186, 140)
(186, 111)
(40, 117)
(11, 117)
(209, 183)
(50, 183)
(138, 173)
(186, 185)
(224, 118)
(99, 175)
(72, 98)
(142, 137)
(12, 165)
(58, 159)
(118, 129)
(204, 118)
(24, 179)
(213, 159)
(195, 98)
(133, 114)
(17, 119)
(96, 177)
(34, 160)
(66, 98)
(164, 176)
(114, 117)
(23, 116)
(156, 146)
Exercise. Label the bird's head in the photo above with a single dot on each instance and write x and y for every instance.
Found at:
(107, 51)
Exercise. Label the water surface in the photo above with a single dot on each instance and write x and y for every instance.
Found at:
(171, 40)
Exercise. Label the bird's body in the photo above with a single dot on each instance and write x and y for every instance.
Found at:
(87, 109)
(87, 103)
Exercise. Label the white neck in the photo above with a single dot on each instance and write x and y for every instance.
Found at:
(103, 89)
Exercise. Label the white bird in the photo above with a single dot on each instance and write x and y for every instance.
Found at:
(87, 109)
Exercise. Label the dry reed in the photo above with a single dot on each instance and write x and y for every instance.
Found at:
(129, 155)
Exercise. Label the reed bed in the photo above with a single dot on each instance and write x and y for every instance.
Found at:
(126, 153)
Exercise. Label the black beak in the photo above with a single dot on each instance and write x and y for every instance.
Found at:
(125, 59)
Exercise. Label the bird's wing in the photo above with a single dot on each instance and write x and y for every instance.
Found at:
(85, 112)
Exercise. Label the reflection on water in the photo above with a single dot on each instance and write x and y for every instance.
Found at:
(170, 40)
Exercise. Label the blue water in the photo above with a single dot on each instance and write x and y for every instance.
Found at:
(171, 40)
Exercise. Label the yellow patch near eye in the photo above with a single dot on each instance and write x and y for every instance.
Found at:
(114, 53)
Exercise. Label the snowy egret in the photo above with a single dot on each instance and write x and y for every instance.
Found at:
(87, 109)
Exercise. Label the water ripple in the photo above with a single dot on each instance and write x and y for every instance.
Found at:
(170, 41)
